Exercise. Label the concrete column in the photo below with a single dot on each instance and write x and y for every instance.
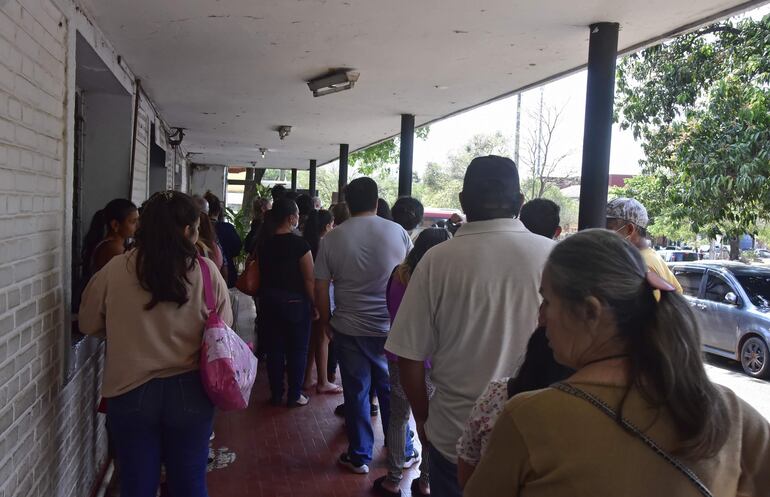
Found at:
(294, 180)
(407, 155)
(312, 182)
(343, 180)
(597, 136)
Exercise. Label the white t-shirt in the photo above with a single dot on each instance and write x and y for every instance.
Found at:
(471, 306)
(359, 256)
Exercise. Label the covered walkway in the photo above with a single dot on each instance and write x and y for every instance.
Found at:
(268, 451)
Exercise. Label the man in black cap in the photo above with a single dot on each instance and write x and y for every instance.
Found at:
(470, 307)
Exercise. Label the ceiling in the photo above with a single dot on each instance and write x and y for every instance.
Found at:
(231, 71)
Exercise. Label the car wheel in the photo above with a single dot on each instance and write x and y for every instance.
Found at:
(755, 358)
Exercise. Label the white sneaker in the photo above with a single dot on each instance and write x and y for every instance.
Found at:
(412, 460)
(344, 460)
(303, 400)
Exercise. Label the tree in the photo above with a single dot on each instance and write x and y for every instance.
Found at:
(700, 104)
(250, 191)
(382, 155)
(538, 153)
(441, 185)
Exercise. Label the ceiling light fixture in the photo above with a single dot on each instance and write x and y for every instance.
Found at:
(283, 131)
(335, 81)
(263, 151)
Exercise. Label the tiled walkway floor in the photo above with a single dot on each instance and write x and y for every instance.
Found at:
(282, 452)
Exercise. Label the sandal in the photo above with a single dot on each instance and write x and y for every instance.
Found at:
(332, 391)
(380, 490)
(416, 490)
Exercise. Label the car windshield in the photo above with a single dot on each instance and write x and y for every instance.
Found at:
(757, 287)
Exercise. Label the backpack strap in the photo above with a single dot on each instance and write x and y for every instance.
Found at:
(208, 291)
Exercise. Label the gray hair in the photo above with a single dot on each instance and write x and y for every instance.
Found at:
(661, 338)
(202, 203)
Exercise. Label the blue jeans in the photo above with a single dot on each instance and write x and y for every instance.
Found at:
(287, 321)
(166, 420)
(443, 475)
(363, 367)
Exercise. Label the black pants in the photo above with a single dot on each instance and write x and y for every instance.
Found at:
(287, 322)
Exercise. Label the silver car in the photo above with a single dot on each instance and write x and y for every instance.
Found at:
(731, 301)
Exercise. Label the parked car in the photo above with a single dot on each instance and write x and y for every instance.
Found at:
(679, 255)
(731, 301)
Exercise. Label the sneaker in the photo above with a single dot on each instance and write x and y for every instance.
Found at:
(360, 469)
(302, 400)
(411, 459)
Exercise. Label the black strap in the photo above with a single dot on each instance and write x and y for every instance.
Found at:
(511, 387)
(626, 425)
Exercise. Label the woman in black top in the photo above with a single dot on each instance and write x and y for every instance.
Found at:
(286, 300)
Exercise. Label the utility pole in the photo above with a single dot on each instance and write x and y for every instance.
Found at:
(518, 130)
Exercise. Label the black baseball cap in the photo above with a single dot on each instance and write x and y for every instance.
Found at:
(492, 182)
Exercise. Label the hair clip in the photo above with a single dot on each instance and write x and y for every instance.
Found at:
(658, 283)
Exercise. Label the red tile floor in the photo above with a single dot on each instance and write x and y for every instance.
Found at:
(282, 452)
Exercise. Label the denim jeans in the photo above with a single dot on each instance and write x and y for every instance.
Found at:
(363, 367)
(443, 475)
(287, 321)
(166, 420)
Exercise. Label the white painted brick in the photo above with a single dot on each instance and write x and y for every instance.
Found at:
(7, 27)
(14, 109)
(7, 78)
(7, 131)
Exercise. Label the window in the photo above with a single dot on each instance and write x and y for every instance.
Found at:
(690, 280)
(717, 288)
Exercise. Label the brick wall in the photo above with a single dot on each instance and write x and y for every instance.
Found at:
(51, 441)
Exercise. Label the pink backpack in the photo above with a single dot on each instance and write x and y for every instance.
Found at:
(228, 366)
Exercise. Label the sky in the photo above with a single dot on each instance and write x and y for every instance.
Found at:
(567, 93)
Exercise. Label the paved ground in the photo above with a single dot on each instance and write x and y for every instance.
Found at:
(730, 374)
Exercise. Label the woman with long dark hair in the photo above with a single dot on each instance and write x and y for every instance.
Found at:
(401, 452)
(227, 236)
(150, 304)
(110, 230)
(640, 416)
(317, 225)
(286, 300)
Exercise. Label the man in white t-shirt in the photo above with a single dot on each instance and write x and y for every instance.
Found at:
(470, 307)
(359, 256)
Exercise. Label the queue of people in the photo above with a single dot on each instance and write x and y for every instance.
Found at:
(530, 366)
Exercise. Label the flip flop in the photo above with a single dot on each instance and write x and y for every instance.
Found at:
(334, 391)
(380, 490)
(416, 490)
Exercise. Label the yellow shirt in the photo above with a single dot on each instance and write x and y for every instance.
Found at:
(656, 264)
(143, 345)
(549, 443)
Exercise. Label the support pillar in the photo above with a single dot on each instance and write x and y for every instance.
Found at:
(597, 135)
(343, 180)
(294, 180)
(407, 155)
(312, 181)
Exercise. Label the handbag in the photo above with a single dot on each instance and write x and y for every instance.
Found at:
(248, 281)
(630, 428)
(228, 366)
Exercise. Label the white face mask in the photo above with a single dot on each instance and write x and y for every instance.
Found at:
(295, 225)
(622, 228)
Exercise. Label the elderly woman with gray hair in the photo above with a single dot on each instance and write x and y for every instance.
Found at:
(639, 417)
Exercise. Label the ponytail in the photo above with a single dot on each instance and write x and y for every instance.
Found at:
(668, 363)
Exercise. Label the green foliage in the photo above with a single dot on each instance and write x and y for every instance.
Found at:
(383, 155)
(701, 106)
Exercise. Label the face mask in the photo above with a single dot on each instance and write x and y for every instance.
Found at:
(622, 228)
(294, 226)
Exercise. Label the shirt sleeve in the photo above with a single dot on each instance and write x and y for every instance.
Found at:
(412, 335)
(755, 454)
(481, 421)
(321, 269)
(504, 466)
(92, 314)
